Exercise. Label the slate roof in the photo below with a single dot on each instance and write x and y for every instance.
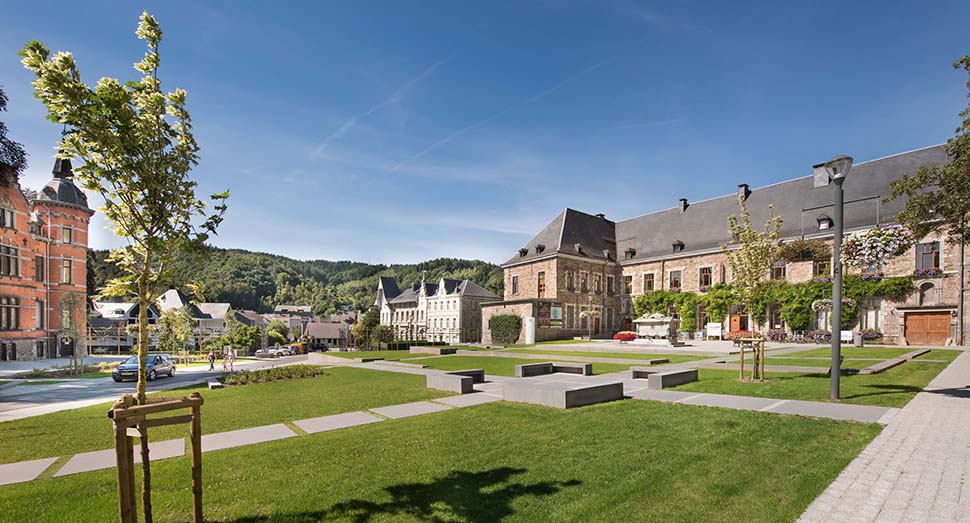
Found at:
(572, 232)
(703, 225)
(451, 286)
(213, 311)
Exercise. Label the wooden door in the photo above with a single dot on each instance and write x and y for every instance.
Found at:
(735, 322)
(927, 328)
(596, 325)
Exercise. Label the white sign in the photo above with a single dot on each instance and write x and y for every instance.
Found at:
(713, 330)
(846, 336)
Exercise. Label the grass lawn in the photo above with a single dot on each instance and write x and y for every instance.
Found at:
(797, 362)
(501, 366)
(621, 461)
(674, 358)
(892, 388)
(940, 354)
(854, 352)
(390, 355)
(342, 390)
(549, 342)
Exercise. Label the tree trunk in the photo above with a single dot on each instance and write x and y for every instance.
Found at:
(144, 297)
(741, 369)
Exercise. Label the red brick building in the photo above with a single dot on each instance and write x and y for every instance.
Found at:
(43, 267)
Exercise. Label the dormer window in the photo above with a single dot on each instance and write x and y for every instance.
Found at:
(522, 252)
(630, 253)
(579, 248)
(607, 254)
(678, 246)
(824, 223)
(539, 248)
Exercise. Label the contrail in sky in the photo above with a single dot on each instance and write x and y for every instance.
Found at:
(505, 111)
(394, 97)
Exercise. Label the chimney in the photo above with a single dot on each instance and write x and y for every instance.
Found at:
(683, 204)
(743, 190)
(601, 216)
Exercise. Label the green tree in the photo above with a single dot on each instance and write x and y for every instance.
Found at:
(174, 328)
(247, 338)
(13, 158)
(137, 149)
(277, 333)
(359, 332)
(750, 262)
(381, 334)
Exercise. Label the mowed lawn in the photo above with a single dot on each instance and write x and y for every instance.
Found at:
(627, 460)
(674, 358)
(500, 366)
(854, 352)
(390, 355)
(343, 389)
(892, 388)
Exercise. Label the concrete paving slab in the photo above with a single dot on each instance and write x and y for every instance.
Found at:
(818, 409)
(24, 471)
(410, 409)
(468, 400)
(671, 396)
(238, 438)
(105, 459)
(337, 421)
(731, 402)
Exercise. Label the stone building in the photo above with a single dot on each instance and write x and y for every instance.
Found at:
(43, 267)
(585, 262)
(449, 311)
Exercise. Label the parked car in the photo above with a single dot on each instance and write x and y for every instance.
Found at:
(268, 352)
(155, 365)
(288, 350)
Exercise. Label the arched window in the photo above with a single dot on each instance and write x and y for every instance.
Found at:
(927, 294)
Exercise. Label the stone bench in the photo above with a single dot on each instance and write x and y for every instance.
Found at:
(663, 379)
(450, 382)
(438, 351)
(561, 395)
(477, 375)
(538, 369)
(215, 384)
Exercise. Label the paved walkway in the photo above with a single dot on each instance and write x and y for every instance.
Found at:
(918, 469)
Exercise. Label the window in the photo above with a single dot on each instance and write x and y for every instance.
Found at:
(928, 256)
(584, 281)
(609, 285)
(678, 246)
(675, 280)
(541, 284)
(583, 318)
(9, 261)
(40, 315)
(871, 311)
(824, 223)
(648, 282)
(775, 320)
(515, 284)
(570, 313)
(6, 216)
(609, 317)
(65, 271)
(778, 270)
(9, 313)
(705, 276)
(598, 283)
(628, 285)
(67, 235)
(570, 281)
(822, 268)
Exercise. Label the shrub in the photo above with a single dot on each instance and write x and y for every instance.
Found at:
(871, 334)
(505, 328)
(287, 372)
(625, 336)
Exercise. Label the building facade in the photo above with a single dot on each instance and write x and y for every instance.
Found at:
(43, 267)
(449, 311)
(582, 262)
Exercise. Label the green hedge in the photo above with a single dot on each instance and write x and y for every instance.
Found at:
(505, 328)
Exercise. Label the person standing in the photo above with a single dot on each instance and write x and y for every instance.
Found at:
(232, 357)
(212, 360)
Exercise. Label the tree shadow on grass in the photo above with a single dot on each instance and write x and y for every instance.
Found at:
(476, 497)
(886, 389)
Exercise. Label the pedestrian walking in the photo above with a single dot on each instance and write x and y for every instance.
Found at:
(212, 360)
(232, 357)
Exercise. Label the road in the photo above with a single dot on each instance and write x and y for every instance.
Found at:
(31, 400)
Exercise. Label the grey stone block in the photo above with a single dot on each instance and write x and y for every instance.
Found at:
(440, 351)
(671, 378)
(336, 421)
(106, 459)
(477, 375)
(641, 372)
(450, 382)
(561, 395)
(469, 400)
(526, 370)
(584, 369)
(239, 438)
(215, 384)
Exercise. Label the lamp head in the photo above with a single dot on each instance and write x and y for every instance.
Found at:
(838, 167)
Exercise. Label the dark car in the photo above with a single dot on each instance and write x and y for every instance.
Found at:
(155, 365)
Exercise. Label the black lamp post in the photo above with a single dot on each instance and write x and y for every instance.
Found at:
(837, 169)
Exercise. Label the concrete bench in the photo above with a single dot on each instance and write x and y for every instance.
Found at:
(439, 351)
(538, 369)
(215, 384)
(450, 382)
(560, 395)
(477, 375)
(664, 379)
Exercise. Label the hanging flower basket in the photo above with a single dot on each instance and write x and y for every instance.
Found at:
(873, 247)
(927, 273)
(826, 304)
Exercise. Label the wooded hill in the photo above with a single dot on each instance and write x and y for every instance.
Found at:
(258, 281)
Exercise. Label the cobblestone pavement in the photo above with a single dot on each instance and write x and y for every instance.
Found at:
(918, 469)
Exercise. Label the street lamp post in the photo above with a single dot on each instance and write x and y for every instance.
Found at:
(837, 169)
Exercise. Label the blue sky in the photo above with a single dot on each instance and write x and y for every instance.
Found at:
(399, 132)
